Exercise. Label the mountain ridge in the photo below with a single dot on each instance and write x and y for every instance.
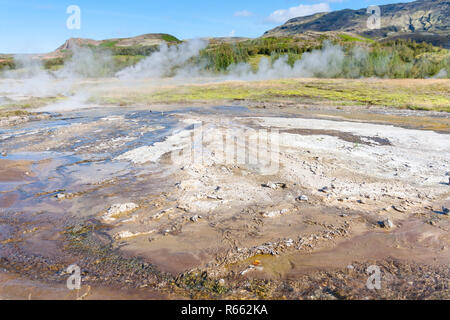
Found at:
(422, 20)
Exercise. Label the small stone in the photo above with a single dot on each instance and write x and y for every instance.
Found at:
(303, 198)
(324, 189)
(195, 218)
(289, 242)
(222, 282)
(60, 196)
(121, 208)
(117, 209)
(399, 209)
(274, 186)
(445, 211)
(271, 214)
(350, 267)
(386, 224)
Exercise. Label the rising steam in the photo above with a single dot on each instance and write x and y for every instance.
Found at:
(167, 62)
(181, 62)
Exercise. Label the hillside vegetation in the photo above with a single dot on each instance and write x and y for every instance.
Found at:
(389, 59)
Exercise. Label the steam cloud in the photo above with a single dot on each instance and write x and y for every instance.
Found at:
(30, 78)
(178, 62)
(327, 62)
(168, 61)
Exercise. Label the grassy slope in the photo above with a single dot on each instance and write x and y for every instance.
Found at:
(407, 94)
(19, 108)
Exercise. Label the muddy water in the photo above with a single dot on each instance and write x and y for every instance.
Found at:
(63, 171)
(70, 154)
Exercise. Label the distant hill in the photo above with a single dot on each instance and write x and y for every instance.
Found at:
(422, 20)
(149, 39)
(116, 44)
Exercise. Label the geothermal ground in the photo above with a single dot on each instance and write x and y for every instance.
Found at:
(248, 200)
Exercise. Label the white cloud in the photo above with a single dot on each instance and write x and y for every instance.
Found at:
(232, 33)
(283, 15)
(243, 13)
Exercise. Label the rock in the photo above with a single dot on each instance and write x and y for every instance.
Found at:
(324, 189)
(276, 213)
(121, 208)
(161, 213)
(251, 268)
(445, 211)
(271, 214)
(386, 224)
(399, 208)
(128, 234)
(303, 198)
(213, 197)
(274, 185)
(117, 209)
(60, 196)
(222, 282)
(195, 218)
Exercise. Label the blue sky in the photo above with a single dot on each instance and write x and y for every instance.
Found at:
(40, 26)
